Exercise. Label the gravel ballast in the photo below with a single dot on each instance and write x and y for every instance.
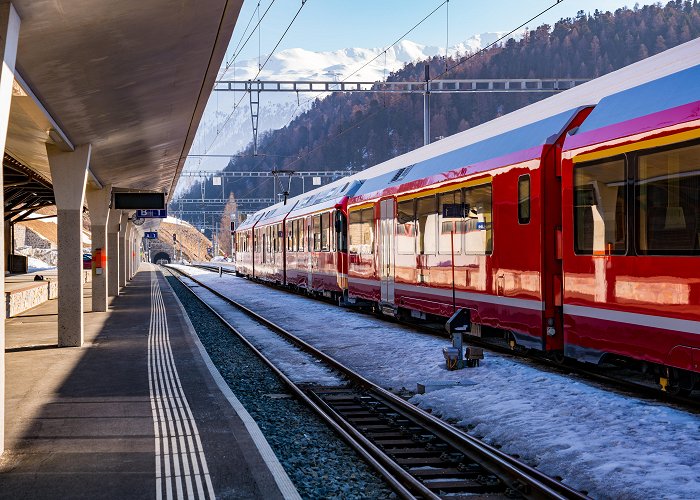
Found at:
(318, 462)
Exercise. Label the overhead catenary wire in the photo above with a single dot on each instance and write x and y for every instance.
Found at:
(383, 52)
(262, 66)
(448, 68)
(496, 42)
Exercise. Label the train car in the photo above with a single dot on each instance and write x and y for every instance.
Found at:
(477, 223)
(245, 242)
(472, 228)
(269, 256)
(316, 232)
(631, 239)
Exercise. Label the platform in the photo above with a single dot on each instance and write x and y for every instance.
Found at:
(134, 413)
(22, 292)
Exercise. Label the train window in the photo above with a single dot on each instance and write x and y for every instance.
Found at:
(667, 192)
(453, 223)
(427, 218)
(317, 232)
(599, 208)
(279, 238)
(406, 227)
(289, 229)
(299, 235)
(361, 232)
(478, 226)
(368, 231)
(326, 232)
(355, 232)
(524, 199)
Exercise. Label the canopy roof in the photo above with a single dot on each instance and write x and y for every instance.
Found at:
(130, 77)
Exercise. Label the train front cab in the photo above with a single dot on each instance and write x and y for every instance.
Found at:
(632, 237)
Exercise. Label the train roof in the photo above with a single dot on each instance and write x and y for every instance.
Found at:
(319, 199)
(665, 101)
(516, 145)
(330, 196)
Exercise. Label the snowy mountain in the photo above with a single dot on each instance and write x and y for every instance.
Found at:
(223, 131)
(301, 64)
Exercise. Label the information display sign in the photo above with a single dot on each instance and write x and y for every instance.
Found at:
(152, 214)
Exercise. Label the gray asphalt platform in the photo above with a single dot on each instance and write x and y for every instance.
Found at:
(98, 421)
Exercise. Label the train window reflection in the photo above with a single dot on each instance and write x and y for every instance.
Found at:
(361, 232)
(448, 225)
(427, 218)
(317, 232)
(599, 208)
(478, 227)
(406, 228)
(668, 202)
(325, 232)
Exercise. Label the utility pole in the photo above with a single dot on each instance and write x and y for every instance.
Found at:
(426, 107)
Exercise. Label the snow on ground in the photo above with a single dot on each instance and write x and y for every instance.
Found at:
(610, 445)
(296, 364)
(34, 265)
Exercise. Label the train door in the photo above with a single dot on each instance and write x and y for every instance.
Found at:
(309, 253)
(386, 249)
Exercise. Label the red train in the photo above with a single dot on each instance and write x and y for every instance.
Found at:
(572, 226)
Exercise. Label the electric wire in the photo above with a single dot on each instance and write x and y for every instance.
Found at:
(492, 44)
(383, 52)
(235, 107)
(447, 70)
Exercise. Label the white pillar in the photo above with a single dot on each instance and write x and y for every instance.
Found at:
(113, 222)
(98, 203)
(129, 250)
(9, 34)
(123, 250)
(69, 173)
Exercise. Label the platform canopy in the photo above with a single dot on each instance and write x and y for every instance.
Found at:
(129, 77)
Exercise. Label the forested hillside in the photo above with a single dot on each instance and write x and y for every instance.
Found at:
(355, 131)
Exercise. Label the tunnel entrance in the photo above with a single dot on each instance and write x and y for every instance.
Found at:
(161, 258)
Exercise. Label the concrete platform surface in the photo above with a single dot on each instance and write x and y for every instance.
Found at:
(134, 413)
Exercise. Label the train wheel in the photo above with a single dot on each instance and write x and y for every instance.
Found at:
(558, 357)
(676, 382)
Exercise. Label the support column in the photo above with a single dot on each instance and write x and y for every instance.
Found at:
(138, 235)
(123, 250)
(113, 222)
(98, 203)
(129, 251)
(69, 174)
(9, 35)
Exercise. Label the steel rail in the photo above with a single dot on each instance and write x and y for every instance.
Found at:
(538, 484)
(617, 383)
(379, 461)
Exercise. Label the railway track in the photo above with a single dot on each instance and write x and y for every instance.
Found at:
(628, 384)
(418, 455)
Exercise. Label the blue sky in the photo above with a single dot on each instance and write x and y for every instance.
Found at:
(334, 24)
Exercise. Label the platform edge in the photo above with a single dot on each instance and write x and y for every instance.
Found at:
(284, 483)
